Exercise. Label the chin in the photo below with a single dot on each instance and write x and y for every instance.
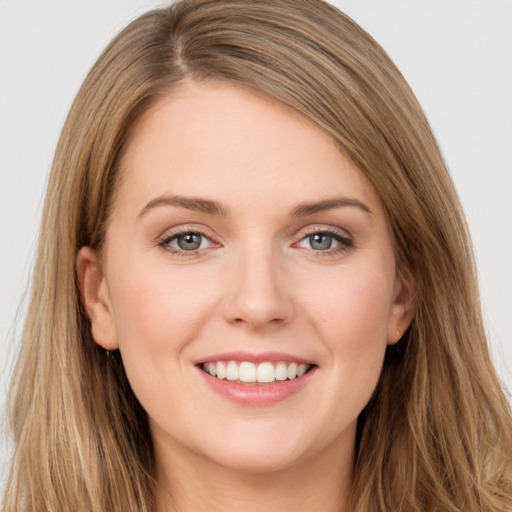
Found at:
(258, 460)
(265, 448)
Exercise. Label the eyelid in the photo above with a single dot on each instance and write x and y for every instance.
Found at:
(172, 233)
(343, 237)
(323, 228)
(187, 228)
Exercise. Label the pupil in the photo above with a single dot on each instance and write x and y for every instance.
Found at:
(190, 241)
(320, 241)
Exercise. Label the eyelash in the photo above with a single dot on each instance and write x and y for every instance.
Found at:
(346, 242)
(164, 243)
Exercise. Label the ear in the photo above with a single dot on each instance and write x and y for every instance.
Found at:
(96, 298)
(403, 307)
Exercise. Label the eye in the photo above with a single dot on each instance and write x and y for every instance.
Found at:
(320, 241)
(186, 243)
(327, 241)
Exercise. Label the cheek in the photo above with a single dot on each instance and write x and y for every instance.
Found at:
(352, 321)
(157, 315)
(152, 307)
(352, 305)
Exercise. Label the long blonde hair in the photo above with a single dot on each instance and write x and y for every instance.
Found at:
(437, 434)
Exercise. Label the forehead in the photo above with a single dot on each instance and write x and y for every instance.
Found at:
(229, 141)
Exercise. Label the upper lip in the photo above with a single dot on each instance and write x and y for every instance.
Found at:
(255, 358)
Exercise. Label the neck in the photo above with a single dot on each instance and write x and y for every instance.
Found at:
(191, 483)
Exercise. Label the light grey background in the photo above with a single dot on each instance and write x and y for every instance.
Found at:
(456, 54)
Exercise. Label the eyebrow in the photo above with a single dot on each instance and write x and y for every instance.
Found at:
(190, 203)
(215, 208)
(305, 209)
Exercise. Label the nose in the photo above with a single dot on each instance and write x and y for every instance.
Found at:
(259, 291)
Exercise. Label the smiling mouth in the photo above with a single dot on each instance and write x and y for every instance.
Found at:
(246, 372)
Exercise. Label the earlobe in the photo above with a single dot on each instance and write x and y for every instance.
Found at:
(404, 306)
(96, 299)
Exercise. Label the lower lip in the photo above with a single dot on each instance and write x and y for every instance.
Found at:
(257, 394)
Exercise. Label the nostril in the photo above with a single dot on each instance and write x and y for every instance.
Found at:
(258, 322)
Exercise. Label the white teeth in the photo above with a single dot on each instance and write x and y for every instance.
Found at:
(265, 372)
(221, 370)
(232, 371)
(281, 371)
(292, 370)
(302, 369)
(246, 371)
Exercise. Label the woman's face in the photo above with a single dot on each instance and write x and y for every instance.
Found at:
(245, 249)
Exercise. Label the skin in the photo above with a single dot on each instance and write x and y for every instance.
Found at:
(259, 284)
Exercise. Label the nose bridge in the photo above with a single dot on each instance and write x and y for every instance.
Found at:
(258, 295)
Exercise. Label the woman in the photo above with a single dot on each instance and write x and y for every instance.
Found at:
(254, 287)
